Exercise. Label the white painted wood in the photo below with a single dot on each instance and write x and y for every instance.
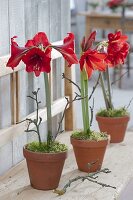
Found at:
(55, 20)
(5, 100)
(8, 134)
(17, 15)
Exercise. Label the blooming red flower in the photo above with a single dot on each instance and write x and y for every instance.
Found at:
(115, 3)
(16, 53)
(38, 59)
(117, 49)
(37, 53)
(67, 49)
(92, 60)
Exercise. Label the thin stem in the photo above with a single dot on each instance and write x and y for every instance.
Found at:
(48, 106)
(104, 91)
(109, 88)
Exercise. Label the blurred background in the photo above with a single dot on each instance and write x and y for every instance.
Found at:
(86, 16)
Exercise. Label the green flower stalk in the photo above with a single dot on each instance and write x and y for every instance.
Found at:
(90, 59)
(48, 106)
(84, 101)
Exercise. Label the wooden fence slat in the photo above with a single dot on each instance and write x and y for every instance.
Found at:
(69, 91)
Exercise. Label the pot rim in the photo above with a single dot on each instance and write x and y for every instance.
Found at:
(90, 140)
(42, 153)
(89, 143)
(113, 118)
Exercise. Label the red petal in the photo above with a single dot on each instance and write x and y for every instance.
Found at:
(17, 54)
(69, 41)
(89, 71)
(67, 49)
(39, 38)
(90, 41)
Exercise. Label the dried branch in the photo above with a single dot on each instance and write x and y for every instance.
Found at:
(119, 78)
(90, 177)
(70, 81)
(129, 103)
(91, 109)
(76, 98)
(38, 119)
(95, 86)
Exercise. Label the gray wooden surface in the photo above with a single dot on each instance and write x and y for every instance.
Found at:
(25, 18)
(15, 184)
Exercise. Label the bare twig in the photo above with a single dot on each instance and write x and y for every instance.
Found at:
(76, 98)
(38, 119)
(91, 109)
(95, 86)
(119, 78)
(90, 177)
(70, 81)
(129, 103)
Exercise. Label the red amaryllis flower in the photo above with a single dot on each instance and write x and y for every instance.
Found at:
(67, 49)
(16, 53)
(37, 53)
(37, 61)
(117, 49)
(92, 60)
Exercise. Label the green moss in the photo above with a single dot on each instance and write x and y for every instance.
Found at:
(93, 135)
(113, 112)
(56, 147)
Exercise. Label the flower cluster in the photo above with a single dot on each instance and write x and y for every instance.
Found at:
(115, 52)
(115, 3)
(91, 59)
(37, 53)
(117, 49)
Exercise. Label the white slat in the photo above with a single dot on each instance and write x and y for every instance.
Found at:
(8, 134)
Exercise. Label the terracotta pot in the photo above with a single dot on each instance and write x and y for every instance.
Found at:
(44, 168)
(88, 152)
(114, 126)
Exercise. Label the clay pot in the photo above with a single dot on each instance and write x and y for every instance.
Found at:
(44, 168)
(114, 126)
(87, 151)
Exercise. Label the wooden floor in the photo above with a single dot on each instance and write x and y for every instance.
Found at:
(119, 159)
